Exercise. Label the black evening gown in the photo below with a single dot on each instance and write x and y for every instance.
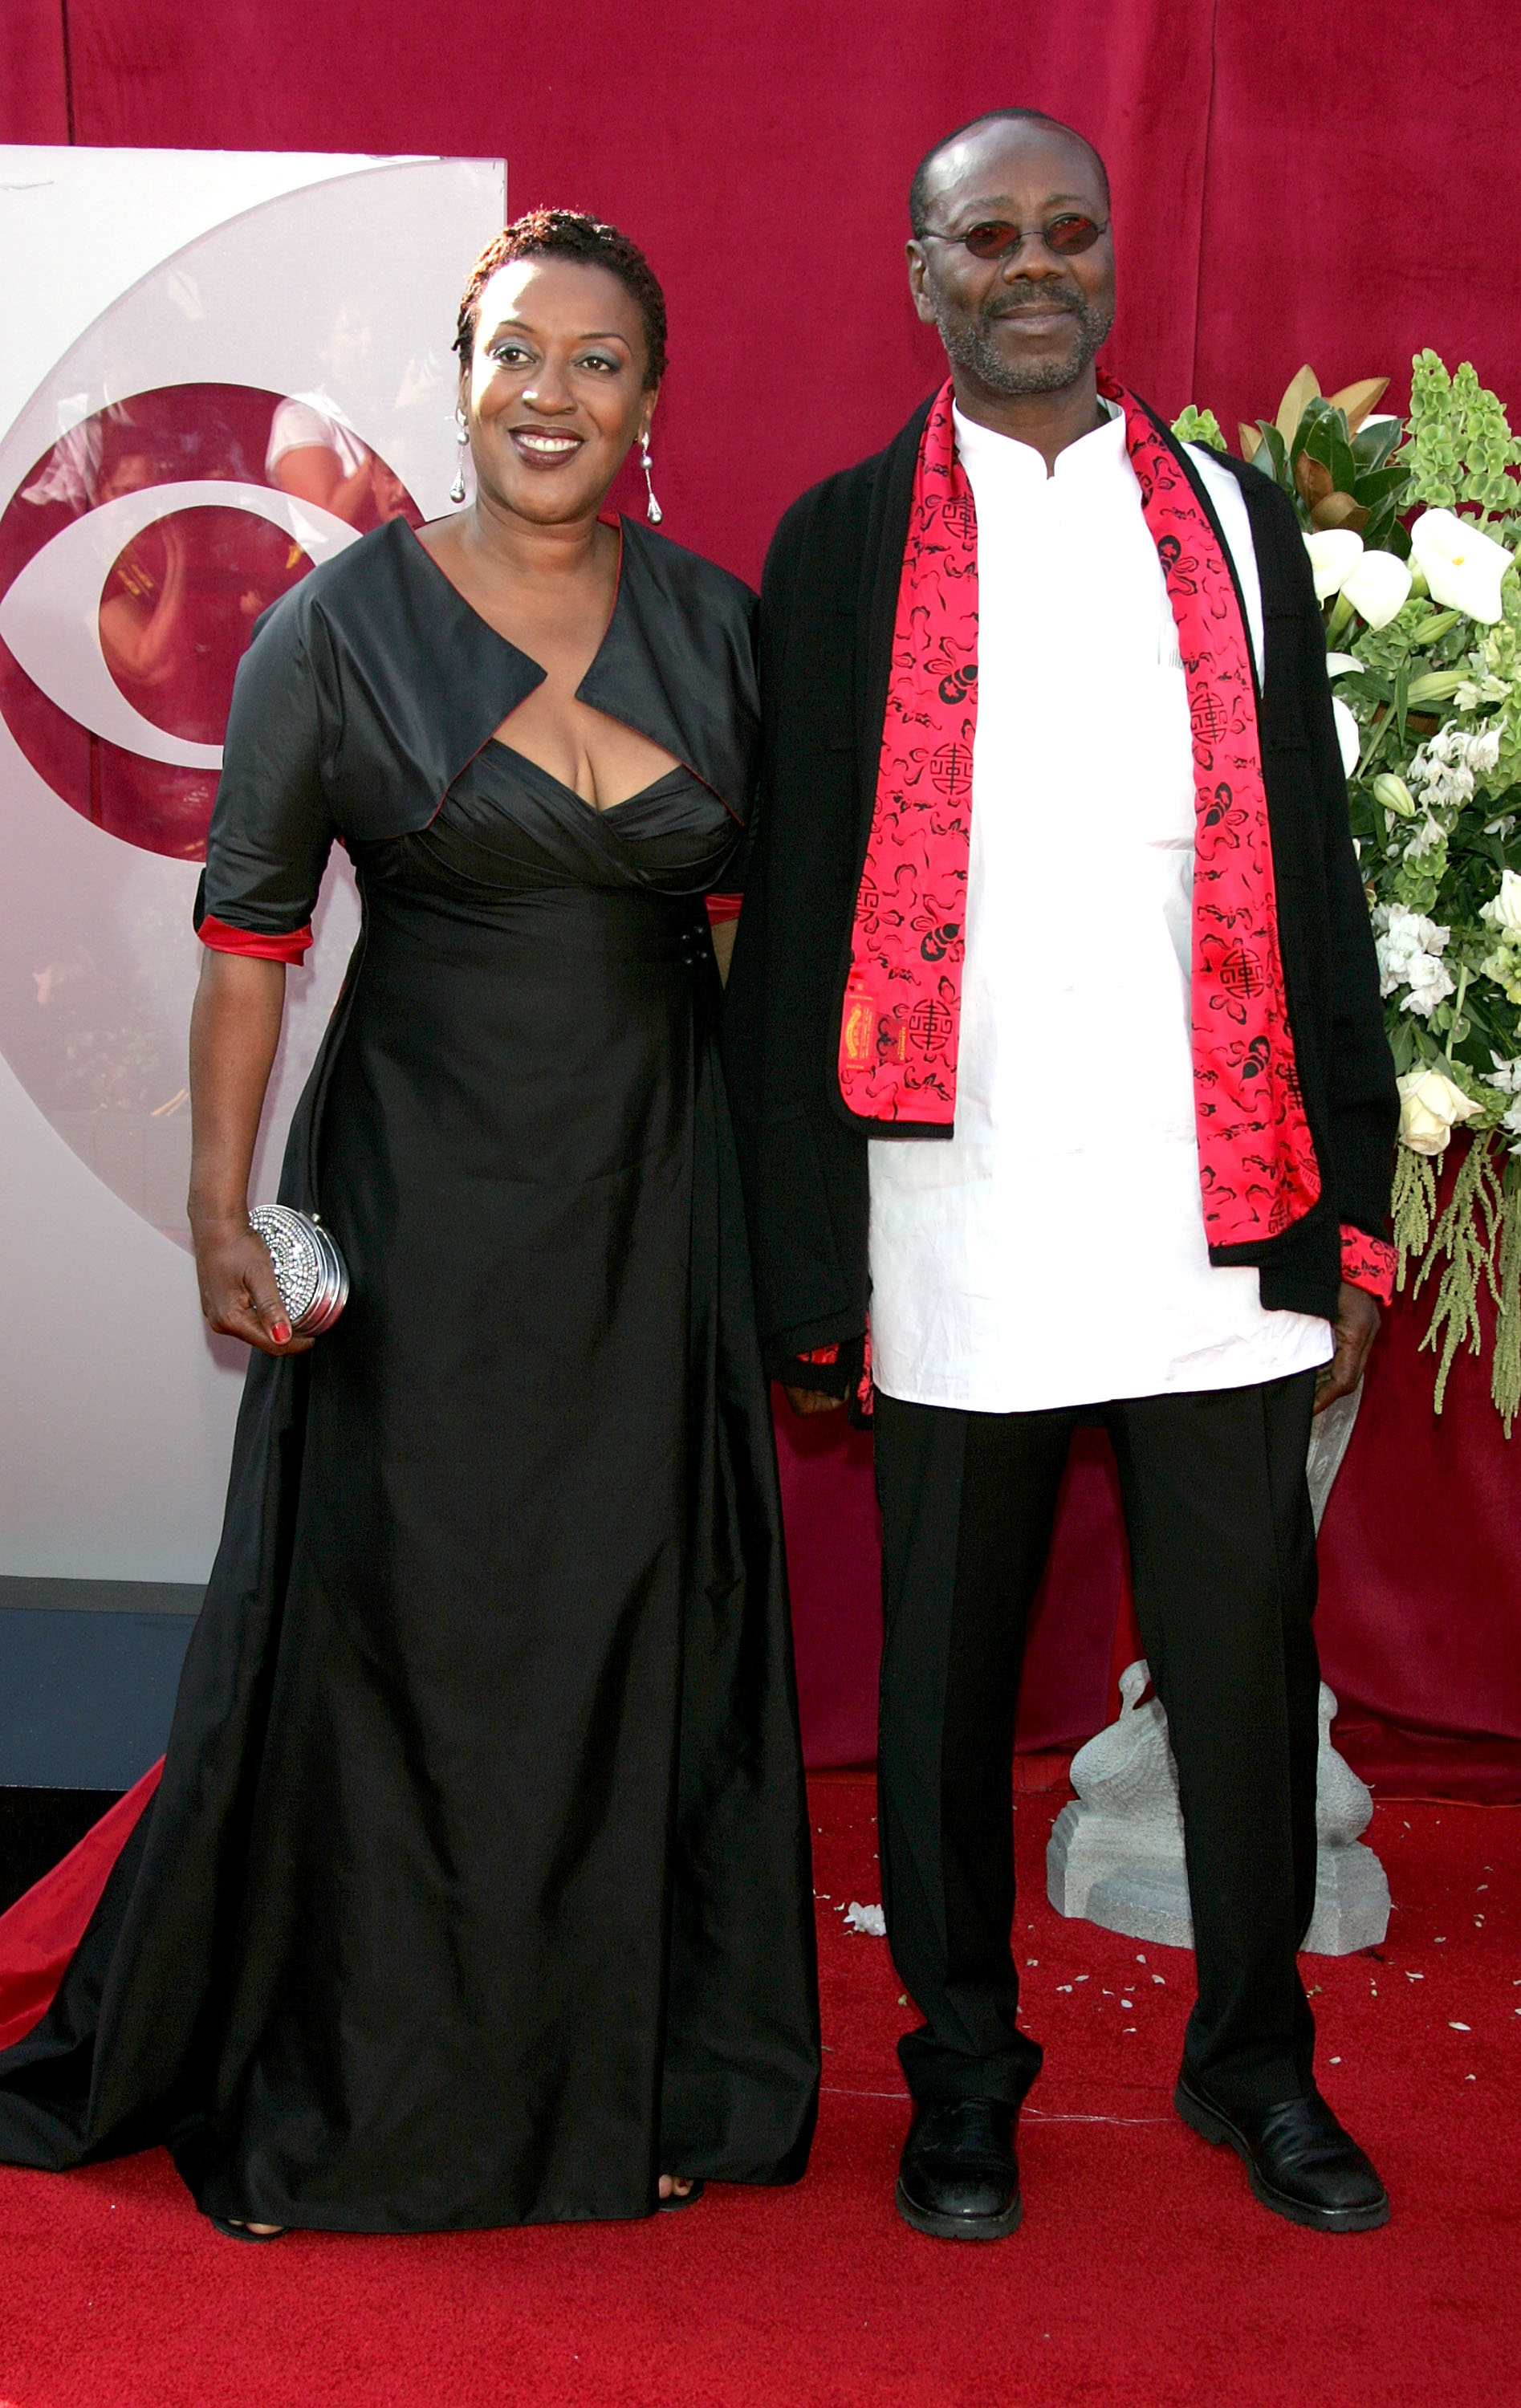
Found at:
(475, 1891)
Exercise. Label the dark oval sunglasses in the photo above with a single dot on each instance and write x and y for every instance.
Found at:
(995, 238)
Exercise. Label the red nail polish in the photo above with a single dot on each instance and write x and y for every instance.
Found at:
(281, 1331)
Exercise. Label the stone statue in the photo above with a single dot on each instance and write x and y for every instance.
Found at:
(1116, 1855)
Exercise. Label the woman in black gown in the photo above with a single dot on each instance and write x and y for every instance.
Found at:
(476, 1890)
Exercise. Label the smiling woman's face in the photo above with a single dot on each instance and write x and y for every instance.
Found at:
(555, 392)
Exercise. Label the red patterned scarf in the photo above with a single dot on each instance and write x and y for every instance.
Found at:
(902, 1008)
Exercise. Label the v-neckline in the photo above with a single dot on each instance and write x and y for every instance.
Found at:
(601, 809)
(598, 811)
(506, 641)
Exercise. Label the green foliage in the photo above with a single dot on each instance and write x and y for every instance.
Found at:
(1505, 1372)
(1461, 450)
(1324, 458)
(1466, 1235)
(1271, 457)
(1435, 805)
(1415, 1206)
(1200, 427)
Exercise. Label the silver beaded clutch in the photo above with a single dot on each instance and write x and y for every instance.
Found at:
(310, 1271)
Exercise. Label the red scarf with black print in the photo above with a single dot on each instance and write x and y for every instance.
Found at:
(902, 1007)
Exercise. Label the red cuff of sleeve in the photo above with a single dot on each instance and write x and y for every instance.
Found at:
(1368, 1263)
(866, 1394)
(223, 939)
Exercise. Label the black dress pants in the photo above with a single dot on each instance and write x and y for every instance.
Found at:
(1223, 1558)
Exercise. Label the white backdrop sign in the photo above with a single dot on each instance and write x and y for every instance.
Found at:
(219, 368)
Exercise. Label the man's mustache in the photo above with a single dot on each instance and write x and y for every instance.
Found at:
(1049, 300)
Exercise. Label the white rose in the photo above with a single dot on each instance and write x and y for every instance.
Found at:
(1430, 1107)
(1504, 911)
(1462, 567)
(1377, 586)
(1333, 553)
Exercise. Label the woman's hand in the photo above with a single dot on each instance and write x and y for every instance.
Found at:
(234, 1031)
(239, 1296)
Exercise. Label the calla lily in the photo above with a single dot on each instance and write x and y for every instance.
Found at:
(1377, 586)
(1505, 910)
(1461, 565)
(1333, 553)
(1349, 736)
(1342, 664)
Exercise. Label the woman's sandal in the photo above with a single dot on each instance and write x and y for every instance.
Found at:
(231, 2229)
(681, 2198)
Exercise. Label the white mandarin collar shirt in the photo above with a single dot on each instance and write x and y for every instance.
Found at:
(1052, 1252)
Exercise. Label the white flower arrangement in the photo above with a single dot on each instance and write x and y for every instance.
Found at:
(1409, 948)
(1413, 528)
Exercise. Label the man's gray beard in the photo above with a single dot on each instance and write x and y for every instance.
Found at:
(970, 344)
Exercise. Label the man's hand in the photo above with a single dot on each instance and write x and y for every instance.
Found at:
(812, 1400)
(1357, 1318)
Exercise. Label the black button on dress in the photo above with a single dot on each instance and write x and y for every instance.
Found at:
(477, 1890)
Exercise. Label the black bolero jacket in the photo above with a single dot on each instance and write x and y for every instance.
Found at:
(372, 684)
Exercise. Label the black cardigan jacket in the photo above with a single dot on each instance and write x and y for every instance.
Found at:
(827, 604)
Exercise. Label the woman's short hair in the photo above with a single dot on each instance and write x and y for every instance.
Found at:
(568, 234)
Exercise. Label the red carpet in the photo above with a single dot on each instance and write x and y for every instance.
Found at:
(1145, 2276)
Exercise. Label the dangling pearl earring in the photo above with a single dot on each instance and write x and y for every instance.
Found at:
(456, 491)
(652, 510)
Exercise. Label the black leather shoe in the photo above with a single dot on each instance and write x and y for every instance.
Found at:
(1298, 2161)
(959, 2177)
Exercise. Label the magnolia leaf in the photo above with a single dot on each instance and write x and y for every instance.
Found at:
(1272, 456)
(1304, 387)
(1325, 439)
(1251, 439)
(1310, 417)
(1375, 484)
(1337, 510)
(1313, 480)
(1358, 399)
(1373, 445)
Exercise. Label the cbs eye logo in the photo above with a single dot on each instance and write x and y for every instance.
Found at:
(135, 558)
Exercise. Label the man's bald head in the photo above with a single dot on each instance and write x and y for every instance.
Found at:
(924, 179)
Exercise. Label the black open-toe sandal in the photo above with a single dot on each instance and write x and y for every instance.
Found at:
(683, 2198)
(231, 2231)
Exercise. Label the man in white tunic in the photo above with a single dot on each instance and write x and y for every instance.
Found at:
(1112, 1225)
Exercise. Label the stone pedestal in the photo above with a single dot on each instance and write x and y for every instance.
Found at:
(1116, 1855)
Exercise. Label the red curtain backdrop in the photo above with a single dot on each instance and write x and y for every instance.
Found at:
(1290, 182)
